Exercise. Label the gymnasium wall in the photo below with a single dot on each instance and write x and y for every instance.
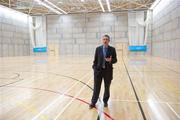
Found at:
(81, 33)
(14, 35)
(166, 29)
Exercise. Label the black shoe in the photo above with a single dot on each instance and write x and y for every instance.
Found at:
(91, 106)
(105, 105)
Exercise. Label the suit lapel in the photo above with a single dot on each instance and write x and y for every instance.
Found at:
(108, 52)
(101, 51)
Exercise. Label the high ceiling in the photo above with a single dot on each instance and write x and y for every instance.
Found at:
(32, 7)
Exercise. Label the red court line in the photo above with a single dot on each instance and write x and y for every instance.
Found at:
(76, 98)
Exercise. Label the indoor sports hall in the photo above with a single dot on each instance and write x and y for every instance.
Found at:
(89, 59)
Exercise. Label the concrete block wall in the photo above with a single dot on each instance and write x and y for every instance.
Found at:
(149, 33)
(79, 34)
(166, 30)
(14, 37)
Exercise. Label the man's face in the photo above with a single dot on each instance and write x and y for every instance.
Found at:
(105, 40)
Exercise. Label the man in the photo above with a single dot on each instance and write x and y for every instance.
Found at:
(105, 56)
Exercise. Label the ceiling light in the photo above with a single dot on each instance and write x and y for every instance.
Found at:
(100, 3)
(47, 6)
(50, 3)
(108, 5)
(155, 3)
(60, 2)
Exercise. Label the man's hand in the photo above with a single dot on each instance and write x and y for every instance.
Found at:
(109, 59)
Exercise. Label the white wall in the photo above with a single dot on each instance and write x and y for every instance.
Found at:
(14, 34)
(135, 30)
(166, 29)
(81, 33)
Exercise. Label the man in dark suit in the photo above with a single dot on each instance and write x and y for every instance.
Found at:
(105, 56)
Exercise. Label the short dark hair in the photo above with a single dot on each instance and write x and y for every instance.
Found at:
(107, 36)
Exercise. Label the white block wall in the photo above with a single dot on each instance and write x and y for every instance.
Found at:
(166, 30)
(14, 36)
(81, 33)
(135, 30)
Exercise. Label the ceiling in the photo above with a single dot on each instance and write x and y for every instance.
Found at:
(32, 7)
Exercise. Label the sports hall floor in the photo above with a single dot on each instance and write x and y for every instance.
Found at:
(60, 88)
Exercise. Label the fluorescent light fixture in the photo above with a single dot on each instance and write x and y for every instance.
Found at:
(155, 3)
(50, 3)
(100, 3)
(47, 6)
(60, 2)
(159, 5)
(108, 5)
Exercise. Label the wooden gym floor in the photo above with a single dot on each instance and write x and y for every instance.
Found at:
(60, 88)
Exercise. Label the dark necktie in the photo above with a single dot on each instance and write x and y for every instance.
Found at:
(104, 54)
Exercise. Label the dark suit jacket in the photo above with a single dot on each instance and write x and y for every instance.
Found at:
(98, 60)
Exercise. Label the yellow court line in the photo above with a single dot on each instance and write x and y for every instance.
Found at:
(31, 109)
(172, 87)
(178, 106)
(58, 98)
(26, 107)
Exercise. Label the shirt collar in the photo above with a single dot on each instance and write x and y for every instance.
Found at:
(105, 47)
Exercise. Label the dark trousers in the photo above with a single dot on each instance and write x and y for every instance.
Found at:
(98, 76)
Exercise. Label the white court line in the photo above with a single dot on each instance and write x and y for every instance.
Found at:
(57, 99)
(100, 110)
(100, 107)
(173, 110)
(163, 102)
(157, 111)
(71, 101)
(155, 101)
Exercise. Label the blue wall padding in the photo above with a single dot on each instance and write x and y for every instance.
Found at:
(40, 49)
(138, 48)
